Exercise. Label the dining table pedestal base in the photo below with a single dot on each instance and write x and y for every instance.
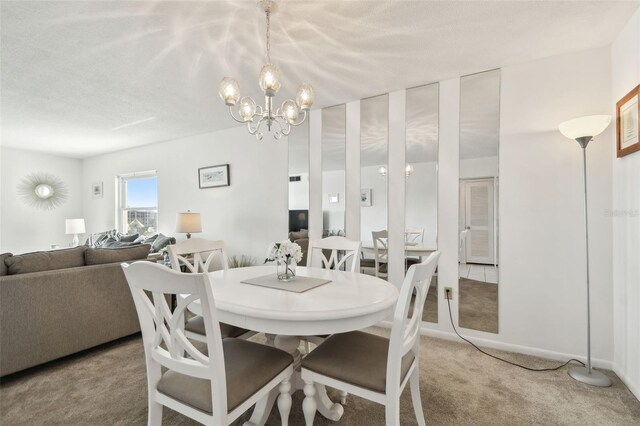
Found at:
(327, 408)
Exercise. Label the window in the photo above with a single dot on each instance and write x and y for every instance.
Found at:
(138, 203)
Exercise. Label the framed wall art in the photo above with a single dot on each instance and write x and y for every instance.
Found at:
(214, 176)
(627, 125)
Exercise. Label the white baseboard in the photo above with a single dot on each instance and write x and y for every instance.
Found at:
(633, 387)
(510, 347)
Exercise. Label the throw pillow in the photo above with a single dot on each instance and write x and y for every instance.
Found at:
(99, 256)
(129, 238)
(161, 242)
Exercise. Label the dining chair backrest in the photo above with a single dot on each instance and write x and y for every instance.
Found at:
(163, 335)
(380, 253)
(334, 245)
(207, 255)
(414, 235)
(405, 329)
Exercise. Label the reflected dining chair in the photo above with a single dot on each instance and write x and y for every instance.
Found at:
(373, 367)
(213, 386)
(413, 236)
(380, 253)
(198, 255)
(335, 246)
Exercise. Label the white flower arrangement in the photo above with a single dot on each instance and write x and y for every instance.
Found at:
(284, 251)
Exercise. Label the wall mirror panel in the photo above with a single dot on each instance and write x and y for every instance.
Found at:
(478, 201)
(421, 190)
(374, 147)
(298, 145)
(333, 170)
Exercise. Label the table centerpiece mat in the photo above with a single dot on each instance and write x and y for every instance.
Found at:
(298, 285)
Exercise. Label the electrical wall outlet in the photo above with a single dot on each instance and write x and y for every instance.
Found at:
(448, 293)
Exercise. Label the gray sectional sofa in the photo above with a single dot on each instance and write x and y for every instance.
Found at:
(60, 302)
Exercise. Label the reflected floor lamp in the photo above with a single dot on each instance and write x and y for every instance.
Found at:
(583, 130)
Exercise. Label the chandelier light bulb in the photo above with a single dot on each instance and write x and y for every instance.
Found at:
(269, 79)
(290, 110)
(382, 170)
(305, 95)
(408, 170)
(247, 108)
(229, 91)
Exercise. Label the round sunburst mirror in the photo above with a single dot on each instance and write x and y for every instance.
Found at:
(42, 191)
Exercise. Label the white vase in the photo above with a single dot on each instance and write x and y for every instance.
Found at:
(286, 269)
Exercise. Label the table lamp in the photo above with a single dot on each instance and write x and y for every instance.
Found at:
(75, 227)
(188, 222)
(583, 130)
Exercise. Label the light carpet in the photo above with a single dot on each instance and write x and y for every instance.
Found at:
(107, 386)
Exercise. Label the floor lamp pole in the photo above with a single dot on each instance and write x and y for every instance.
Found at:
(587, 374)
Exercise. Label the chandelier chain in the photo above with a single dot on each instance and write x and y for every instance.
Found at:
(268, 13)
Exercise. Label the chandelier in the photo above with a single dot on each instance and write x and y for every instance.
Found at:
(290, 113)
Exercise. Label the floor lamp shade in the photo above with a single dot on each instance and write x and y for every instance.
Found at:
(583, 129)
(75, 227)
(590, 125)
(188, 222)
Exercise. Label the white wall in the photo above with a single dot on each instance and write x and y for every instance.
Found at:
(333, 215)
(247, 215)
(479, 167)
(625, 75)
(24, 228)
(299, 193)
(542, 252)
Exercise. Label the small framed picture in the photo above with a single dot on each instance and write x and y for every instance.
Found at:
(627, 125)
(214, 176)
(96, 189)
(365, 197)
(334, 198)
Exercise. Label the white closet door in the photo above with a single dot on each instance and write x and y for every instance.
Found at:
(479, 219)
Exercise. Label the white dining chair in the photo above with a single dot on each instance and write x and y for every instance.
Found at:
(373, 367)
(335, 245)
(414, 235)
(380, 253)
(213, 386)
(198, 255)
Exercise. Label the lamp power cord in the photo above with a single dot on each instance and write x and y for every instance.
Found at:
(502, 359)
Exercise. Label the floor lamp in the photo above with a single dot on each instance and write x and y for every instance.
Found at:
(583, 130)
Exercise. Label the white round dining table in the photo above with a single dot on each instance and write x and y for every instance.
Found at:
(350, 301)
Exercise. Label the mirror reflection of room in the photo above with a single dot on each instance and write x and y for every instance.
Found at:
(333, 170)
(298, 145)
(374, 134)
(421, 190)
(478, 201)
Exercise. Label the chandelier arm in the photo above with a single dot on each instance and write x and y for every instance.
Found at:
(258, 123)
(239, 120)
(304, 117)
(285, 130)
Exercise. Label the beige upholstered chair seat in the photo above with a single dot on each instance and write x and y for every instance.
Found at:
(367, 263)
(248, 365)
(196, 325)
(357, 357)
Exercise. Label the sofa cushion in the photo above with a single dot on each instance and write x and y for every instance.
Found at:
(301, 235)
(45, 260)
(161, 242)
(97, 256)
(3, 266)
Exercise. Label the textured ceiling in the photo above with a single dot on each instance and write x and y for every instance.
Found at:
(87, 77)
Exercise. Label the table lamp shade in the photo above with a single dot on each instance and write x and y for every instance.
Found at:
(588, 126)
(188, 222)
(74, 226)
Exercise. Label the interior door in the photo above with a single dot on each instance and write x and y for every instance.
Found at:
(479, 219)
